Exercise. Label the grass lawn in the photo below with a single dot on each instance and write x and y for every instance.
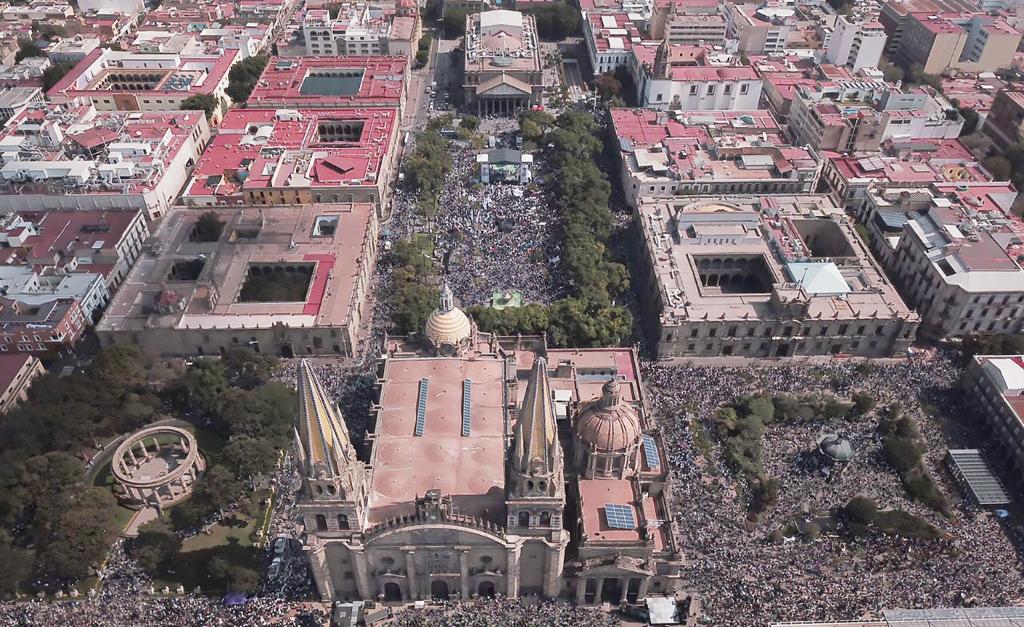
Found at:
(221, 535)
(229, 543)
(123, 516)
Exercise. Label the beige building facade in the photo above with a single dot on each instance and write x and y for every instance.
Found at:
(775, 276)
(186, 296)
(17, 372)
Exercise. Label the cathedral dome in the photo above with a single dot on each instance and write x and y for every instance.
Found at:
(608, 424)
(448, 325)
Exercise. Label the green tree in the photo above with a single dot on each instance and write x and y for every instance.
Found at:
(242, 579)
(216, 489)
(971, 118)
(155, 548)
(470, 123)
(243, 76)
(79, 538)
(49, 32)
(199, 388)
(120, 365)
(454, 23)
(556, 20)
(999, 167)
(28, 48)
(863, 402)
(891, 72)
(247, 369)
(607, 86)
(17, 568)
(412, 304)
(208, 227)
(902, 453)
(207, 103)
(533, 124)
(54, 73)
(248, 456)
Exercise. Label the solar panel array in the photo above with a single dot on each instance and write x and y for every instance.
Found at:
(421, 406)
(619, 516)
(467, 405)
(651, 453)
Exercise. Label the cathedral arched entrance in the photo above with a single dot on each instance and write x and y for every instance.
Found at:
(439, 590)
(485, 589)
(611, 591)
(392, 592)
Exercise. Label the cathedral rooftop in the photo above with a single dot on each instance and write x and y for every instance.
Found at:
(469, 468)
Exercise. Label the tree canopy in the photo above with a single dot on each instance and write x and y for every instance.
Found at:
(54, 73)
(556, 20)
(28, 48)
(207, 103)
(243, 76)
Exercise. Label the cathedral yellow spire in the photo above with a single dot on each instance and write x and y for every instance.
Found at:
(537, 451)
(322, 432)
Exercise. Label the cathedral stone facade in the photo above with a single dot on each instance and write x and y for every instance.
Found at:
(490, 466)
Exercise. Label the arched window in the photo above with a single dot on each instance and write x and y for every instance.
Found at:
(342, 521)
(545, 519)
(321, 522)
(524, 519)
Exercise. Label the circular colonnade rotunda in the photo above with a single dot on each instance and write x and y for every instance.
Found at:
(156, 467)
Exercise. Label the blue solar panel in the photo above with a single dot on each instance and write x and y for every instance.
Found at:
(421, 406)
(467, 405)
(619, 516)
(651, 453)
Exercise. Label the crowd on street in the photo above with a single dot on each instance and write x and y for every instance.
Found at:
(499, 612)
(738, 577)
(126, 598)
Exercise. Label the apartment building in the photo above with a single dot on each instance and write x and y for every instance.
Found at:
(1004, 123)
(690, 154)
(76, 157)
(952, 250)
(856, 43)
(858, 115)
(692, 78)
(954, 41)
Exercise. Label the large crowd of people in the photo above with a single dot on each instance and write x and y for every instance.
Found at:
(488, 237)
(741, 577)
(126, 598)
(501, 611)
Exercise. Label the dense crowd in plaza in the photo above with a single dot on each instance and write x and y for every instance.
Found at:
(501, 611)
(739, 578)
(490, 238)
(125, 599)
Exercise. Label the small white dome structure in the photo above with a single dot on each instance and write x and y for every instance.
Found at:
(448, 328)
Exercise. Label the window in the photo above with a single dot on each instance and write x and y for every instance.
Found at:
(321, 522)
(744, 88)
(342, 521)
(727, 89)
(693, 90)
(711, 90)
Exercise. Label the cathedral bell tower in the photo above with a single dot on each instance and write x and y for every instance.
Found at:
(536, 485)
(334, 489)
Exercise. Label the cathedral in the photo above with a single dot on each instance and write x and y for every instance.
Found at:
(490, 465)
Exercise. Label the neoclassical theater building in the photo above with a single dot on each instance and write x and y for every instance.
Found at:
(490, 465)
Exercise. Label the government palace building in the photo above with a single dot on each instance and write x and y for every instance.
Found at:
(490, 466)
